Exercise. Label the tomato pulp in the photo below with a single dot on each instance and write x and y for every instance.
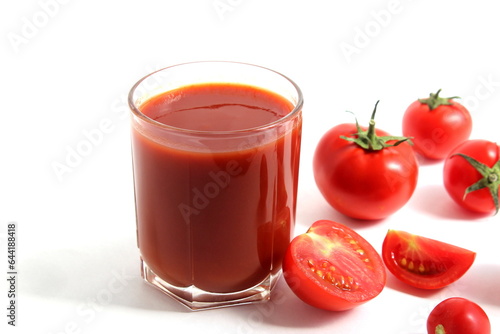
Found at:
(220, 216)
(333, 268)
(422, 262)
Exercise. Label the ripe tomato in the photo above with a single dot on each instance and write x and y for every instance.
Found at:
(458, 316)
(474, 183)
(436, 125)
(424, 263)
(364, 173)
(333, 268)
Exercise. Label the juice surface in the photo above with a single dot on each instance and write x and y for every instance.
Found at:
(219, 219)
(217, 107)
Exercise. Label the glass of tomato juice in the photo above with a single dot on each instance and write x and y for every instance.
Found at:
(215, 150)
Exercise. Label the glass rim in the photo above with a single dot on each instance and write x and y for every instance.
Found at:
(290, 115)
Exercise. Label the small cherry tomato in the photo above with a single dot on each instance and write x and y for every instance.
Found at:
(422, 262)
(365, 173)
(436, 125)
(471, 175)
(333, 268)
(458, 316)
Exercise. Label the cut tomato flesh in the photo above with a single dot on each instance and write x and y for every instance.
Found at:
(332, 267)
(422, 262)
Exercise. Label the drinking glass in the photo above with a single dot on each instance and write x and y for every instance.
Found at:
(215, 151)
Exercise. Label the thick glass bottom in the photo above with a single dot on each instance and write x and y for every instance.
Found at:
(197, 299)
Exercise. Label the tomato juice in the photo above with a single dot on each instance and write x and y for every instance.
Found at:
(215, 173)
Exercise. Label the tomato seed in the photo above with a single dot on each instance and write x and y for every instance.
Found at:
(326, 270)
(411, 266)
(329, 278)
(421, 267)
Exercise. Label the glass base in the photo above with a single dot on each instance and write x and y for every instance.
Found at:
(196, 299)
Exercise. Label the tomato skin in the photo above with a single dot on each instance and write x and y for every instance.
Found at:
(422, 262)
(436, 132)
(458, 316)
(358, 275)
(458, 174)
(350, 177)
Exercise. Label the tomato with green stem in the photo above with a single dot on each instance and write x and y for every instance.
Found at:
(422, 262)
(332, 267)
(471, 175)
(458, 315)
(437, 124)
(365, 173)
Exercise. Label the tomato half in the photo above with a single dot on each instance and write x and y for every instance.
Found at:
(422, 262)
(362, 182)
(458, 316)
(474, 188)
(333, 268)
(436, 125)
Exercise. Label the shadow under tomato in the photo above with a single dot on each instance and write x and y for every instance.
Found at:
(434, 200)
(481, 284)
(423, 161)
(317, 208)
(359, 224)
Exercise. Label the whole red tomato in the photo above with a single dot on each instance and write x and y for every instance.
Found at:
(472, 175)
(436, 125)
(458, 316)
(364, 172)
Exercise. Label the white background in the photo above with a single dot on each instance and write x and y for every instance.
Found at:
(66, 67)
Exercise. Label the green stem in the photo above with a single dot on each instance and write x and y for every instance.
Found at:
(434, 100)
(371, 128)
(369, 140)
(492, 178)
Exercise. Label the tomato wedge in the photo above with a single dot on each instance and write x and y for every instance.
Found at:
(422, 262)
(333, 268)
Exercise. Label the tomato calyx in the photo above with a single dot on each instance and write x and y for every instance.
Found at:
(490, 180)
(434, 100)
(368, 139)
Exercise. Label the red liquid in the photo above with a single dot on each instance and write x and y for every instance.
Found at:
(219, 218)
